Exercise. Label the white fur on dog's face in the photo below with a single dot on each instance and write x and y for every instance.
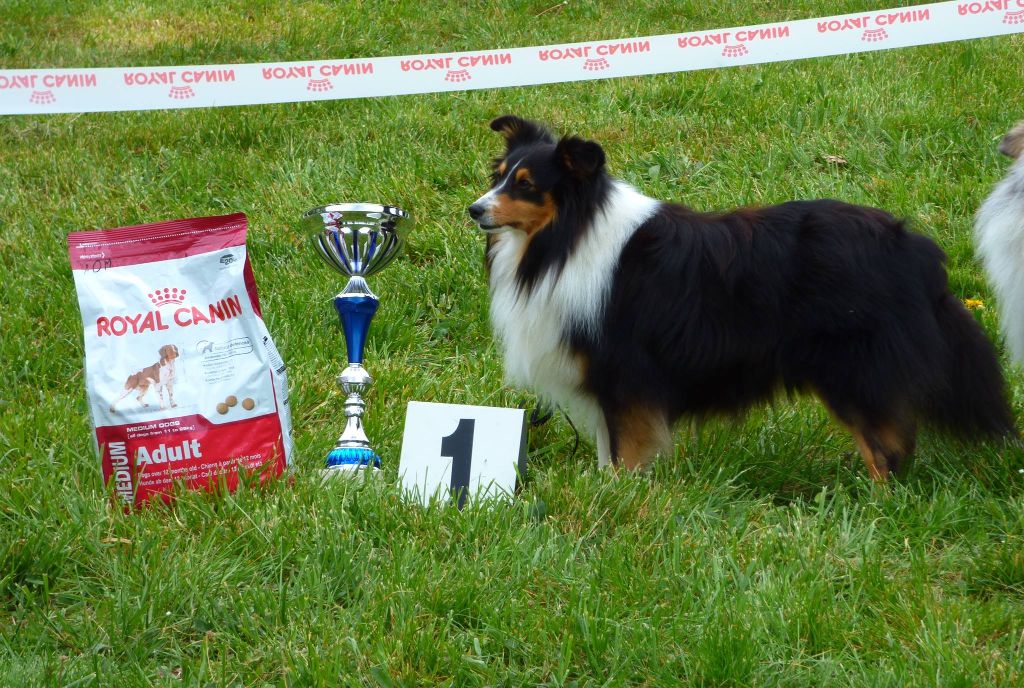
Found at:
(487, 222)
(521, 197)
(168, 352)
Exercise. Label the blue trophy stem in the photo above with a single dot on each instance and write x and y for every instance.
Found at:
(356, 305)
(356, 311)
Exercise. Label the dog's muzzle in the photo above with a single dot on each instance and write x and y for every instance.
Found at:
(478, 211)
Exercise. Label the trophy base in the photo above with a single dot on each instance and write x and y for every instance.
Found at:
(329, 475)
(351, 460)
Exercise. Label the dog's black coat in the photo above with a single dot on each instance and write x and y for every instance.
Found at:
(712, 312)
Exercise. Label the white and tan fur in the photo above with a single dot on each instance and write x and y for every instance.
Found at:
(530, 324)
(160, 375)
(999, 237)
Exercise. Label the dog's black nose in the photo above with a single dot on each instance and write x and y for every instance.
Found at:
(476, 211)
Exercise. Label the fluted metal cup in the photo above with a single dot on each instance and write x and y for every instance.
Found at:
(357, 240)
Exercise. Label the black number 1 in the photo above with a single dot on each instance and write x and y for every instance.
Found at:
(458, 446)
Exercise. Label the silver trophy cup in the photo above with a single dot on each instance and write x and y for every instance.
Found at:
(357, 240)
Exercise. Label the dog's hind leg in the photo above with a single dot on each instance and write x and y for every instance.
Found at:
(143, 388)
(885, 442)
(885, 446)
(127, 391)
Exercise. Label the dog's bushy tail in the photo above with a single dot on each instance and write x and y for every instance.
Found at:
(969, 398)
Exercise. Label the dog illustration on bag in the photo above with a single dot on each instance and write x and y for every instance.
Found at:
(159, 375)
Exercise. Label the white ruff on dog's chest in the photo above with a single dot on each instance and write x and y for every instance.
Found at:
(532, 326)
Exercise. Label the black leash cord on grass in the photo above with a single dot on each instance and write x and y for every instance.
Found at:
(542, 413)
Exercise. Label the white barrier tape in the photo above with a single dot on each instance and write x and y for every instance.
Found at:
(44, 91)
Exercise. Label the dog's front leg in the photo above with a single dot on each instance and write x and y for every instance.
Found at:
(604, 446)
(167, 377)
(636, 435)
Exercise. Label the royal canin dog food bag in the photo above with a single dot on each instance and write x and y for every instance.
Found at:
(185, 385)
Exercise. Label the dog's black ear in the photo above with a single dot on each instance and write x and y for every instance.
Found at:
(519, 132)
(1012, 144)
(579, 157)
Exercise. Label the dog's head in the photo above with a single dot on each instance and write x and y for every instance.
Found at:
(168, 352)
(535, 176)
(1012, 144)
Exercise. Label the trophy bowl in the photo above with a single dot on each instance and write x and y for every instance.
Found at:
(357, 240)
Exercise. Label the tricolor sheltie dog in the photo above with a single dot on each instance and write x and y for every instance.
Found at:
(634, 313)
(999, 235)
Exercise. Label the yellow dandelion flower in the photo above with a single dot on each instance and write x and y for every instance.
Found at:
(975, 304)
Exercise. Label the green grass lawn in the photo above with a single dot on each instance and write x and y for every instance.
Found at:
(760, 554)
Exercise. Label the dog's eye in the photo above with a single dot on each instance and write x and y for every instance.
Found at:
(524, 184)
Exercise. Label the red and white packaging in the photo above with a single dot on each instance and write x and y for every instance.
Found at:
(185, 384)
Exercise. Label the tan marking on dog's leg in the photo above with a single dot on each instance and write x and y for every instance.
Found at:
(896, 441)
(641, 433)
(885, 446)
(878, 469)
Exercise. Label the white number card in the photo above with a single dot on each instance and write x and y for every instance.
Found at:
(452, 450)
